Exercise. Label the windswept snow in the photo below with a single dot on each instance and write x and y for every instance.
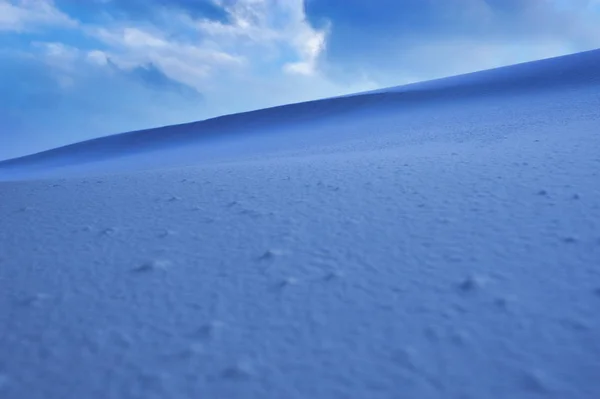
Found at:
(440, 240)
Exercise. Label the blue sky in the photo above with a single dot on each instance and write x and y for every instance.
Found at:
(72, 70)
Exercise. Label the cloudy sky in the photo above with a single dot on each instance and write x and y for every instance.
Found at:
(71, 70)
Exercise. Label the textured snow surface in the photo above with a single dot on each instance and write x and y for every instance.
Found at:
(441, 248)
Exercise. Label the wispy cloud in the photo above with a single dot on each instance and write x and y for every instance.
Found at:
(29, 15)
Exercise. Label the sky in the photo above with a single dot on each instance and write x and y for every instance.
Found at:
(72, 70)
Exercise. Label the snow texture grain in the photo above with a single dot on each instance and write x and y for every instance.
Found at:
(434, 241)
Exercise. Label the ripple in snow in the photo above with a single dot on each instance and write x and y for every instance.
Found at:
(334, 275)
(472, 283)
(407, 358)
(36, 299)
(166, 233)
(288, 281)
(109, 231)
(4, 380)
(504, 303)
(536, 381)
(210, 329)
(153, 265)
(241, 370)
(270, 254)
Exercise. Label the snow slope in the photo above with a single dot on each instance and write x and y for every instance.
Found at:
(438, 240)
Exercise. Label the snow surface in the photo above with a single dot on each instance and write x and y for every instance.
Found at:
(440, 240)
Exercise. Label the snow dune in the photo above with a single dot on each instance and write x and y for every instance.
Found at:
(403, 114)
(436, 240)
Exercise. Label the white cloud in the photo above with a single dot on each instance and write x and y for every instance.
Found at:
(309, 44)
(26, 15)
(265, 55)
(97, 57)
(259, 36)
(58, 56)
(183, 61)
(263, 43)
(262, 31)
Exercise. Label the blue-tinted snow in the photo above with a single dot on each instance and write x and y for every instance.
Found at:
(437, 242)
